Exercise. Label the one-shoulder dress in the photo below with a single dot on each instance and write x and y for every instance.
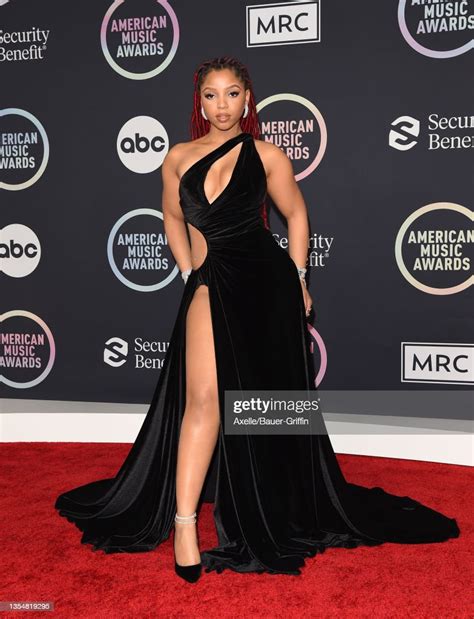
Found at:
(279, 498)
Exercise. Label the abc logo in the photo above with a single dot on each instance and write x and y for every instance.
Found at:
(20, 250)
(142, 144)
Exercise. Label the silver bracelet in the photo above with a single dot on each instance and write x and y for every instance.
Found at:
(186, 274)
(302, 272)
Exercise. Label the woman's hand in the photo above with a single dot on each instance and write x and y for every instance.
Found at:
(308, 301)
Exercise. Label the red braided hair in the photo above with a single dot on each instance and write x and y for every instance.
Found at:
(199, 126)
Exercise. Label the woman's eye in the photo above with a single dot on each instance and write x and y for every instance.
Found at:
(234, 93)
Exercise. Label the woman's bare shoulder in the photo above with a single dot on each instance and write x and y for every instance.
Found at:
(179, 155)
(271, 155)
(268, 148)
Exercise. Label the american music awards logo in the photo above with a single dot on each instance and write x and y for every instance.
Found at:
(24, 149)
(138, 251)
(27, 349)
(434, 248)
(437, 29)
(297, 126)
(139, 39)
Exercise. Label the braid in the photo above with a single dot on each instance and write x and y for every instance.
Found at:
(199, 126)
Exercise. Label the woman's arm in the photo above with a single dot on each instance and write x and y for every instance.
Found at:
(285, 193)
(173, 218)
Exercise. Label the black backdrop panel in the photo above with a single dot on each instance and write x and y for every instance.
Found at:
(370, 106)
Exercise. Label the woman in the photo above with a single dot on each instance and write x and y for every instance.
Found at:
(241, 325)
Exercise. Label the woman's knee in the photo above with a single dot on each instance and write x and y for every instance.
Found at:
(202, 402)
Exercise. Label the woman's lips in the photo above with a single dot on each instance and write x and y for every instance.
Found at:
(223, 117)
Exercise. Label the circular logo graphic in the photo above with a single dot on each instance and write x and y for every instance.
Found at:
(27, 349)
(25, 149)
(436, 29)
(433, 248)
(317, 340)
(293, 136)
(138, 247)
(20, 250)
(142, 144)
(139, 39)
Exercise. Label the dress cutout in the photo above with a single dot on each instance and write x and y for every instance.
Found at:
(279, 498)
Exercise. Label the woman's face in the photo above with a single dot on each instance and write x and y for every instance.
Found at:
(223, 98)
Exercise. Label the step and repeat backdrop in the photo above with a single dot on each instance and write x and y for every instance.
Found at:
(370, 101)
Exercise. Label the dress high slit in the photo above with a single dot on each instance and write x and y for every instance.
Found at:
(279, 499)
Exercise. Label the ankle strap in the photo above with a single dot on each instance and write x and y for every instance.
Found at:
(185, 519)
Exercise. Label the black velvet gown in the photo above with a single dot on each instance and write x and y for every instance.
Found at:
(279, 498)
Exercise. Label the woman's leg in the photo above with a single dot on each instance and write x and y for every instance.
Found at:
(200, 425)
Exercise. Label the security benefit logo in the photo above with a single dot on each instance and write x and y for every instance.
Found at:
(115, 352)
(25, 45)
(404, 133)
(147, 354)
(283, 23)
(433, 132)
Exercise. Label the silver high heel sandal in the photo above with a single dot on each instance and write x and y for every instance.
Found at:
(190, 573)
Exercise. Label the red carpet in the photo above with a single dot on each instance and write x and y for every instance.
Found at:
(42, 559)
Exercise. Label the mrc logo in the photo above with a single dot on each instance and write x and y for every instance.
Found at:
(283, 23)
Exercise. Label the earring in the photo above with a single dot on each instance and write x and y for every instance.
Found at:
(246, 110)
(203, 113)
